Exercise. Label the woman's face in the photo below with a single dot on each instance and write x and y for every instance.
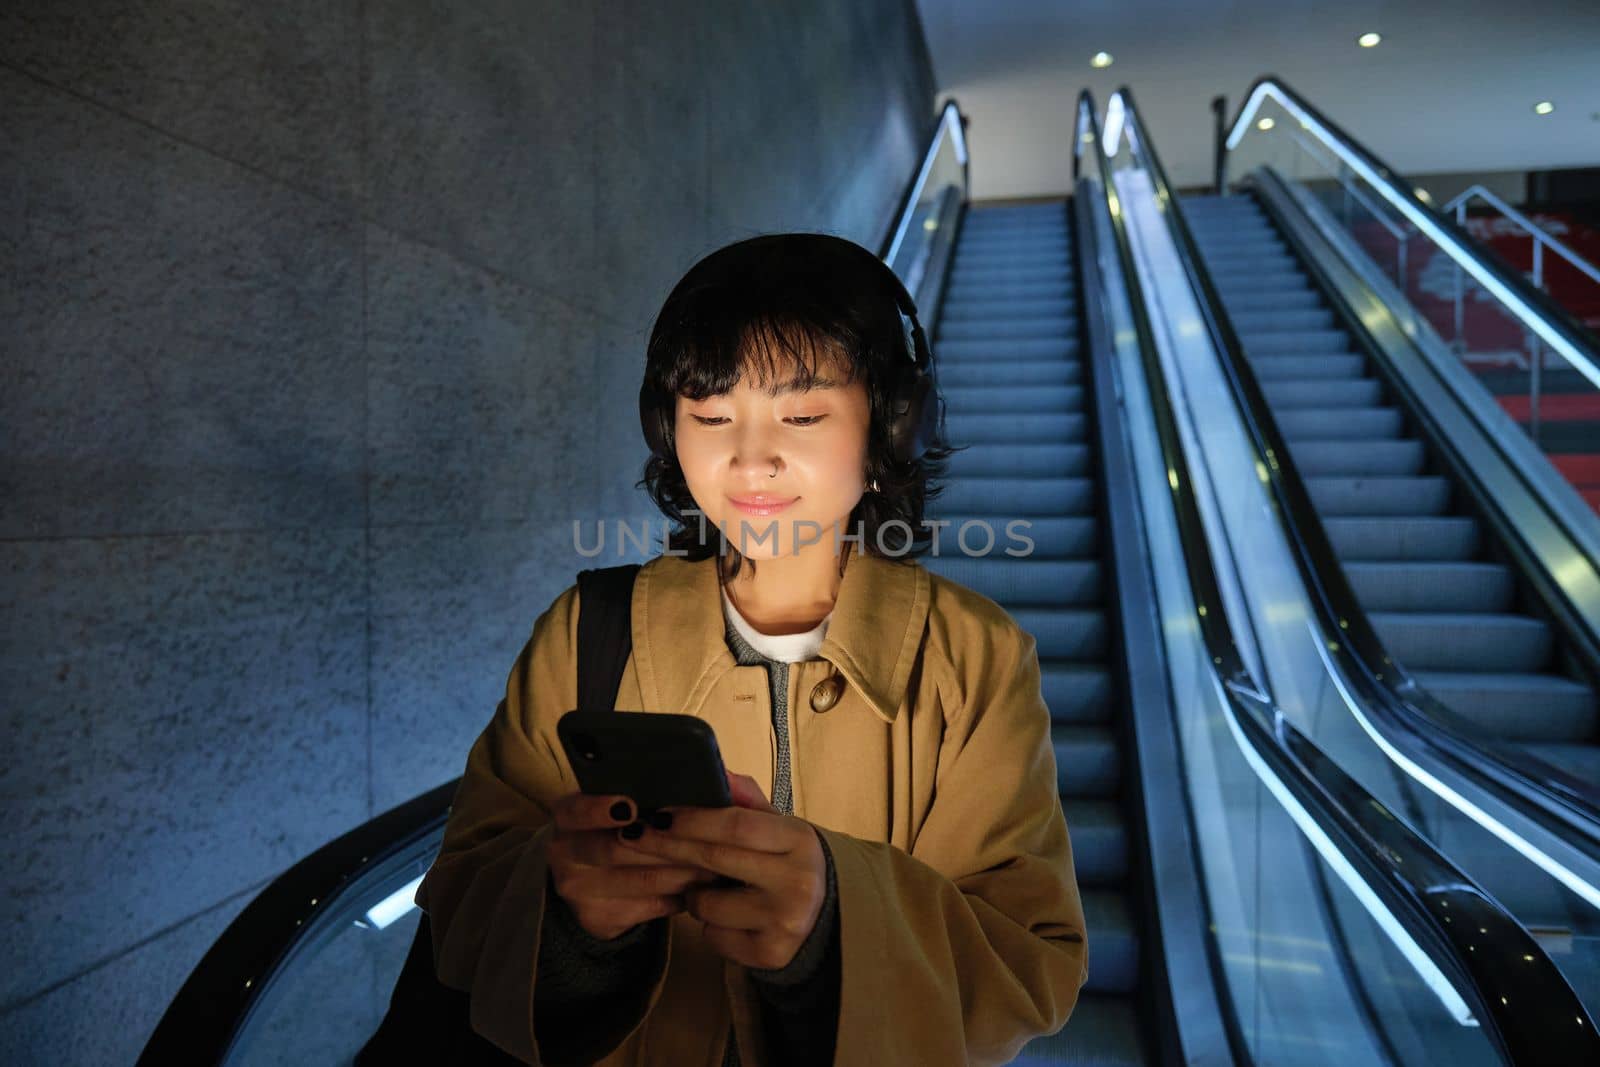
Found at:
(729, 445)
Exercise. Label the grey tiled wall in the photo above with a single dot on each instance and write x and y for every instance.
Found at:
(321, 323)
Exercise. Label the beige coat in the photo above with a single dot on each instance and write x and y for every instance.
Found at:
(932, 778)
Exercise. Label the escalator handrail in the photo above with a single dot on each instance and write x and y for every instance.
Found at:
(1518, 995)
(1531, 306)
(1407, 711)
(1194, 1021)
(203, 1020)
(225, 987)
(950, 123)
(1531, 228)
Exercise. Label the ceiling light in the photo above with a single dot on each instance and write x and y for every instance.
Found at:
(1543, 107)
(1369, 40)
(1265, 124)
(1101, 60)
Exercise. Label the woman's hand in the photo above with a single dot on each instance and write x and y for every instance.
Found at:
(763, 923)
(611, 889)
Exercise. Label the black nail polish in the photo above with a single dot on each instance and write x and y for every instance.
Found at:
(661, 820)
(633, 831)
(620, 811)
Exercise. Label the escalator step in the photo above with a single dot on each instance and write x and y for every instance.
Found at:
(1104, 1031)
(999, 399)
(1015, 429)
(1405, 456)
(1379, 496)
(1336, 425)
(1113, 940)
(1099, 842)
(1009, 327)
(1011, 371)
(1329, 393)
(1297, 368)
(963, 310)
(1291, 319)
(1052, 536)
(1501, 644)
(1087, 761)
(994, 276)
(1021, 460)
(1580, 761)
(1294, 342)
(1432, 587)
(1075, 693)
(1518, 707)
(988, 352)
(1017, 289)
(1050, 253)
(1065, 633)
(1012, 583)
(1246, 262)
(1013, 498)
(1441, 538)
(1252, 300)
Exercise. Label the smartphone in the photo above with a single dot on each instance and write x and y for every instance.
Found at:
(660, 760)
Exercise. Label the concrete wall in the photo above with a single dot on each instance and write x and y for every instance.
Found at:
(321, 323)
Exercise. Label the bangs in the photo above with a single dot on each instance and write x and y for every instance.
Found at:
(714, 347)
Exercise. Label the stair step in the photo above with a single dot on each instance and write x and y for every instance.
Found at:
(1032, 461)
(1432, 586)
(1114, 937)
(1518, 707)
(1402, 538)
(1076, 693)
(1389, 458)
(1088, 763)
(1323, 393)
(1012, 582)
(1343, 495)
(1000, 398)
(999, 501)
(1041, 372)
(966, 429)
(1502, 644)
(1359, 425)
(1065, 633)
(1301, 368)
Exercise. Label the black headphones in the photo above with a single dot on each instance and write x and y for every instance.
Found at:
(916, 407)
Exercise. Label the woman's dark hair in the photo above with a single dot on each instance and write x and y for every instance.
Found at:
(768, 305)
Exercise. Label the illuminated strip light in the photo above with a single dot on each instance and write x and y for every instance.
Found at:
(1525, 848)
(1421, 220)
(1111, 130)
(1420, 961)
(952, 123)
(394, 906)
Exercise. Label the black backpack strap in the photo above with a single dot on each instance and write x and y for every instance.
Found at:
(605, 633)
(427, 1021)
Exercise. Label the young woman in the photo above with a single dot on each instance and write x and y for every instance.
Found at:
(907, 889)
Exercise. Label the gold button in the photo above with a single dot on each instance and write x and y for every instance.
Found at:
(826, 693)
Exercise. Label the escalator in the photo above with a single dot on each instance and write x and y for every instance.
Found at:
(1448, 569)
(1013, 371)
(1246, 899)
(1432, 576)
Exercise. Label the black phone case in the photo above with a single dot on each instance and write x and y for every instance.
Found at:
(659, 760)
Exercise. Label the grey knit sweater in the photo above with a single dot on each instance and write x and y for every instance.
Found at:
(582, 979)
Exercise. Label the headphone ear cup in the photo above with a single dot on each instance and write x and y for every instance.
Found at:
(910, 431)
(652, 422)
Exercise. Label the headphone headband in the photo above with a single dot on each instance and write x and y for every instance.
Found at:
(917, 407)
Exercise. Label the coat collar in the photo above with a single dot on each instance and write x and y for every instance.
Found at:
(679, 633)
